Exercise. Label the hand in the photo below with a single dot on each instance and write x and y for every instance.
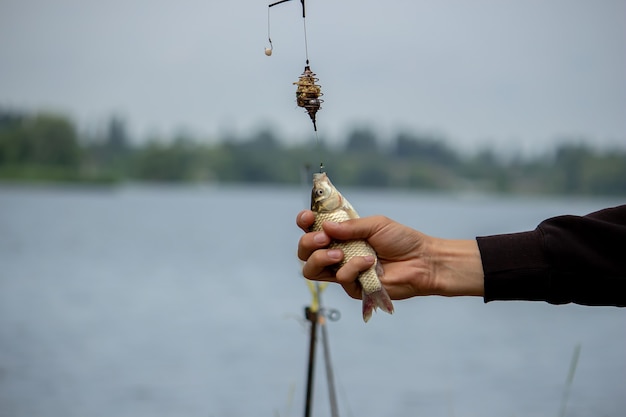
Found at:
(413, 263)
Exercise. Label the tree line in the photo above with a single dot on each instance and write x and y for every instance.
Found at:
(48, 147)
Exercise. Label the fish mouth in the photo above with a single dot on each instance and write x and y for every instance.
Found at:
(319, 176)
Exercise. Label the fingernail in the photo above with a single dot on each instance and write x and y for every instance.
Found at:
(335, 254)
(369, 259)
(320, 238)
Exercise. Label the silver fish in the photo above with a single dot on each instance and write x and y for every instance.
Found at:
(329, 205)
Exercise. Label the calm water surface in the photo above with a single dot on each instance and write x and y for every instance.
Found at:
(156, 301)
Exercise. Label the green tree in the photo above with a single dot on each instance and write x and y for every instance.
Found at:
(117, 140)
(408, 146)
(41, 146)
(571, 159)
(362, 140)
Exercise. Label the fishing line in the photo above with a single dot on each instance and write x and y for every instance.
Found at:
(268, 51)
(306, 55)
(320, 151)
(306, 44)
(308, 92)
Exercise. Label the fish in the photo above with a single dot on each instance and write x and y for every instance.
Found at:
(329, 204)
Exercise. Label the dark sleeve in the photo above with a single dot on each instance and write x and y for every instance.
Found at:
(566, 259)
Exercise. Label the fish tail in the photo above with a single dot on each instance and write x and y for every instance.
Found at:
(377, 299)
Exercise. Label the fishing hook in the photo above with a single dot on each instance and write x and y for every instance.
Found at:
(268, 51)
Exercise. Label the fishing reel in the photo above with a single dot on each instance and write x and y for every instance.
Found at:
(308, 94)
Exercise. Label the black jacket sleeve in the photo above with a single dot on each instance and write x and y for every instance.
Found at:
(566, 259)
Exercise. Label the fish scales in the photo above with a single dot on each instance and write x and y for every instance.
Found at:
(329, 205)
(368, 279)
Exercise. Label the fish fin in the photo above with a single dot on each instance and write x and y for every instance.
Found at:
(377, 299)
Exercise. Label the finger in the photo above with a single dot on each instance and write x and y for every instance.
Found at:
(348, 274)
(310, 242)
(305, 220)
(360, 228)
(353, 289)
(317, 267)
(350, 271)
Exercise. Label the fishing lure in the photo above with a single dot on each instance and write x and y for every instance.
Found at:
(308, 94)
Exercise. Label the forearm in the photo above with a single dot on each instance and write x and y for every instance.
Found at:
(457, 267)
(515, 267)
(566, 259)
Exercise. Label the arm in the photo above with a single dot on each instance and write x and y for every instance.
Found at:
(566, 259)
(579, 259)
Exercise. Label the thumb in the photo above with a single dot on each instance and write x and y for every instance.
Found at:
(361, 228)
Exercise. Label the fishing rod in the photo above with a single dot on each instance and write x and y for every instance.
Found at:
(312, 317)
(317, 316)
(330, 375)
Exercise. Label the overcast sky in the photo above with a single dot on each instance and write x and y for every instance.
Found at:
(499, 73)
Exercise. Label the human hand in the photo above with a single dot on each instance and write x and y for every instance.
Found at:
(413, 263)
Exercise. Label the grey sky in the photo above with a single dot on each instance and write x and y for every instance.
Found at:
(517, 74)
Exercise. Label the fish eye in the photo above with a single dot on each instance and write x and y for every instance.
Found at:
(319, 192)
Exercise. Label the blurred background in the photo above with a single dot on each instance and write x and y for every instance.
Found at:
(153, 159)
(515, 96)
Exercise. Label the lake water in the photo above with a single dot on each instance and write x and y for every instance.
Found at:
(188, 301)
